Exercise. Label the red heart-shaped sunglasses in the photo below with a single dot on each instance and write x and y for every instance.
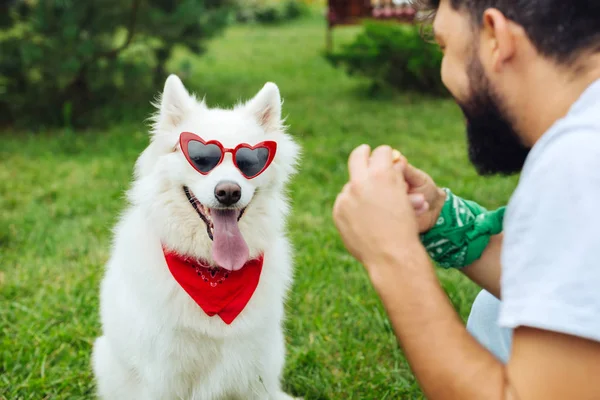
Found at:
(205, 156)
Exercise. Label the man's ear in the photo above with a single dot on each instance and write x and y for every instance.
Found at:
(498, 38)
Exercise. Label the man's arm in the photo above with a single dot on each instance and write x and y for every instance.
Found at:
(448, 365)
(550, 365)
(486, 270)
(453, 365)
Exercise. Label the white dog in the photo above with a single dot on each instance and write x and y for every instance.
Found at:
(192, 302)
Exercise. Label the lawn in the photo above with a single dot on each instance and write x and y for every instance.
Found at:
(61, 192)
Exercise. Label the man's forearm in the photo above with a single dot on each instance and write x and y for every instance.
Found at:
(460, 238)
(486, 270)
(446, 360)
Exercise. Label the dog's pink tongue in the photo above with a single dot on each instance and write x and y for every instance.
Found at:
(230, 251)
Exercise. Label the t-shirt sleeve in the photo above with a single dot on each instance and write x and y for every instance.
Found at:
(551, 254)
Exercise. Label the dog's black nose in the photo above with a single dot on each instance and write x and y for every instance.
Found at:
(228, 193)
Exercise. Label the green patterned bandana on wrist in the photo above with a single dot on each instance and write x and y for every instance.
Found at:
(462, 232)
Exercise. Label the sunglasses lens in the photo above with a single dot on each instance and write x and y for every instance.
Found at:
(251, 161)
(204, 156)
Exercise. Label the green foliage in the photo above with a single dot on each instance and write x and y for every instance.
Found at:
(71, 59)
(270, 11)
(394, 55)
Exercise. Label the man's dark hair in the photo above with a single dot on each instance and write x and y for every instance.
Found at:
(559, 29)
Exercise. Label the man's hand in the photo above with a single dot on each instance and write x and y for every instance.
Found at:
(427, 199)
(373, 213)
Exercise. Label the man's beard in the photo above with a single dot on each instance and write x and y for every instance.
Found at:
(494, 145)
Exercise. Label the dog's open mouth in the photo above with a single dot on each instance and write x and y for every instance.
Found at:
(230, 250)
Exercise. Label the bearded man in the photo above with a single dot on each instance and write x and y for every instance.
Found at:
(526, 74)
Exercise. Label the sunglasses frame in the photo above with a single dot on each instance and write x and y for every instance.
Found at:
(186, 137)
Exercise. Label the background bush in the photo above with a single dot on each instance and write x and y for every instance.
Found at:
(270, 11)
(393, 54)
(65, 61)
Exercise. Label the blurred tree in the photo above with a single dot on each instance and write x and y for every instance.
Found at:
(75, 62)
(393, 55)
(270, 11)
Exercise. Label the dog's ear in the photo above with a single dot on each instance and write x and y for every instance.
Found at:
(266, 107)
(175, 103)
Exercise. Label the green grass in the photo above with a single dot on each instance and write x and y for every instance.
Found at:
(61, 192)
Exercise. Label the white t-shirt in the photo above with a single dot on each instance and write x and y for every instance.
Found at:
(551, 249)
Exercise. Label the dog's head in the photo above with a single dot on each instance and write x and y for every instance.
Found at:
(205, 199)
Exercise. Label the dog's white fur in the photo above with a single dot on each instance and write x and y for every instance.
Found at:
(157, 343)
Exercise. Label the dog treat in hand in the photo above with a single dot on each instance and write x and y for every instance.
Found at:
(396, 156)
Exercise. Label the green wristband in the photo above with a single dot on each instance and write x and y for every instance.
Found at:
(462, 232)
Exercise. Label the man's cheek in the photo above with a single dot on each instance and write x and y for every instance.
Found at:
(455, 79)
(446, 73)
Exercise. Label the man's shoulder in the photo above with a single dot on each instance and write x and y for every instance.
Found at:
(573, 139)
(571, 147)
(564, 163)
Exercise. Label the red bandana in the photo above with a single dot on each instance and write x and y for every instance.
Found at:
(216, 290)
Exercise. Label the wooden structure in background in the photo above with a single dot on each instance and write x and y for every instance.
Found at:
(350, 12)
